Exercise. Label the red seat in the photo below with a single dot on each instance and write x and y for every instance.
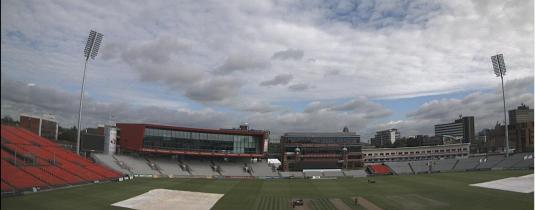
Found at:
(54, 166)
(59, 172)
(6, 187)
(42, 175)
(380, 169)
(19, 178)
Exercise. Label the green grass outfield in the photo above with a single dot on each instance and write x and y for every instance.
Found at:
(434, 191)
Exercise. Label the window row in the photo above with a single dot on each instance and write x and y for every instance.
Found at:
(323, 140)
(238, 146)
(198, 135)
(417, 152)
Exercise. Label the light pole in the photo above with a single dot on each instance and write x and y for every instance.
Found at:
(499, 69)
(91, 50)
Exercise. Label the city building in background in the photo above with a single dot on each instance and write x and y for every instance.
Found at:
(520, 133)
(462, 127)
(320, 150)
(45, 126)
(385, 138)
(372, 155)
(522, 114)
(162, 139)
(521, 129)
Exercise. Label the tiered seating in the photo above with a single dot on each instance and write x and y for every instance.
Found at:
(6, 187)
(201, 168)
(42, 175)
(231, 168)
(137, 165)
(261, 168)
(356, 173)
(400, 167)
(109, 161)
(379, 169)
(43, 163)
(333, 173)
(291, 174)
(59, 172)
(100, 170)
(421, 166)
(467, 164)
(313, 173)
(169, 167)
(525, 162)
(19, 178)
(509, 162)
(444, 165)
(489, 162)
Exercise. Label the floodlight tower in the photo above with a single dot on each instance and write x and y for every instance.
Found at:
(499, 69)
(91, 50)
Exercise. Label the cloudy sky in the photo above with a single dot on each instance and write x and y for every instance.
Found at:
(278, 65)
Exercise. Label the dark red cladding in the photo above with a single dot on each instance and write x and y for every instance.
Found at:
(131, 136)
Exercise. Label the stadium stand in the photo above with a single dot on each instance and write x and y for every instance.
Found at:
(400, 167)
(355, 173)
(6, 187)
(510, 161)
(261, 168)
(312, 173)
(135, 164)
(467, 164)
(62, 174)
(109, 161)
(201, 168)
(420, 166)
(233, 169)
(49, 179)
(291, 174)
(19, 178)
(30, 161)
(170, 168)
(486, 163)
(379, 169)
(444, 165)
(525, 162)
(333, 173)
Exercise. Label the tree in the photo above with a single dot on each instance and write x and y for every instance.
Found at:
(67, 134)
(8, 120)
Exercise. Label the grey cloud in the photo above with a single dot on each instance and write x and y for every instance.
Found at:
(299, 87)
(315, 107)
(160, 50)
(111, 51)
(241, 62)
(214, 90)
(18, 98)
(281, 79)
(259, 107)
(288, 54)
(332, 72)
(155, 63)
(360, 106)
(152, 61)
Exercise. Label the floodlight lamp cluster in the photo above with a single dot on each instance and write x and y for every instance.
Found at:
(93, 44)
(498, 64)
